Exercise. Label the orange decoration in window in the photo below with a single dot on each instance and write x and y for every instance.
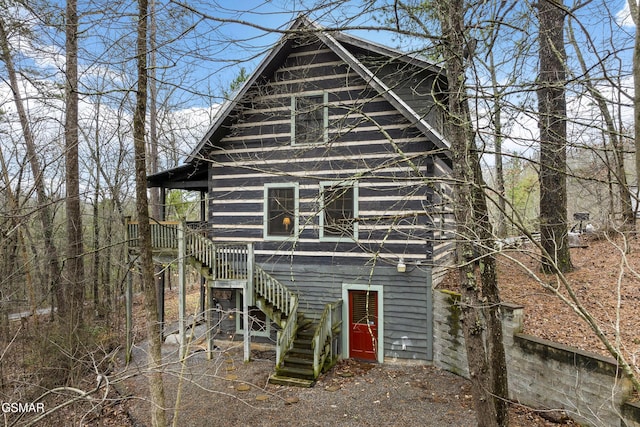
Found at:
(286, 222)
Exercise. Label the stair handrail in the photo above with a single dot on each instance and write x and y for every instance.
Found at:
(201, 248)
(282, 299)
(288, 333)
(273, 291)
(330, 318)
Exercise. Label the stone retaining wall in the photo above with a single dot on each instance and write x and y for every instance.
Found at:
(542, 374)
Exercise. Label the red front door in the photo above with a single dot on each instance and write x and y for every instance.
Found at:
(363, 324)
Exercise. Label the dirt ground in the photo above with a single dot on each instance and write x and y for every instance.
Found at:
(226, 391)
(606, 282)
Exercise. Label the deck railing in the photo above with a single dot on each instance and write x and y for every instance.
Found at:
(226, 260)
(164, 235)
(330, 320)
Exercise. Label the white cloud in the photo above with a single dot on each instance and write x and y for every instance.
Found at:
(623, 17)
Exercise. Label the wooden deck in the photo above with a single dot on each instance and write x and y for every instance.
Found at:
(231, 265)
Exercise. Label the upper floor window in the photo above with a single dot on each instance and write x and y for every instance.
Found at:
(339, 210)
(281, 210)
(309, 118)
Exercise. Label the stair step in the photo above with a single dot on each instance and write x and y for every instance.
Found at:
(288, 381)
(306, 334)
(302, 343)
(301, 362)
(304, 325)
(293, 372)
(297, 352)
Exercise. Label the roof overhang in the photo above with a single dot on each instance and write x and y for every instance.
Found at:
(191, 176)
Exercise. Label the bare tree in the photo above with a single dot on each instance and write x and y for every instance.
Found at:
(552, 110)
(46, 210)
(74, 264)
(635, 16)
(616, 168)
(480, 296)
(154, 332)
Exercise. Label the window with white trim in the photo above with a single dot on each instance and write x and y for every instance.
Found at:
(309, 118)
(339, 213)
(280, 210)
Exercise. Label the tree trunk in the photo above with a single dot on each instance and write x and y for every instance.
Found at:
(156, 208)
(45, 211)
(635, 15)
(96, 218)
(552, 110)
(480, 303)
(74, 265)
(156, 386)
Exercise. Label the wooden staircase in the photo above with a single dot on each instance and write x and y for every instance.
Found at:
(306, 345)
(297, 365)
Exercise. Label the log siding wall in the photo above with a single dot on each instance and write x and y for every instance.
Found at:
(402, 192)
(400, 209)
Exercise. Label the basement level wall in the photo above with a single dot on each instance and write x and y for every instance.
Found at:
(407, 300)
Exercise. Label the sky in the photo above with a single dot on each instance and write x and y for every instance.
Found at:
(200, 54)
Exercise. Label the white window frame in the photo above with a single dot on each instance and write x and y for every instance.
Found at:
(332, 238)
(325, 116)
(296, 209)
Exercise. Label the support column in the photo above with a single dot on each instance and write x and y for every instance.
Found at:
(128, 295)
(247, 327)
(128, 298)
(210, 325)
(248, 299)
(203, 291)
(182, 290)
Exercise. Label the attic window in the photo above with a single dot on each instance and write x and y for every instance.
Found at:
(309, 118)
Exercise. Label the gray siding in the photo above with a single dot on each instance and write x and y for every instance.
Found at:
(402, 205)
(407, 300)
(418, 87)
(369, 142)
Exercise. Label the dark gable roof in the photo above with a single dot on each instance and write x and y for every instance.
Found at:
(339, 43)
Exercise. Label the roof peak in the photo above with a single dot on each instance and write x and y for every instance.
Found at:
(336, 41)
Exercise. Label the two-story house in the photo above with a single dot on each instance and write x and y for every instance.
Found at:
(331, 162)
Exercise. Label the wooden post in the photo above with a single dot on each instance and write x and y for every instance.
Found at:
(128, 295)
(249, 293)
(247, 299)
(331, 332)
(203, 206)
(210, 325)
(247, 327)
(128, 298)
(203, 291)
(182, 290)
